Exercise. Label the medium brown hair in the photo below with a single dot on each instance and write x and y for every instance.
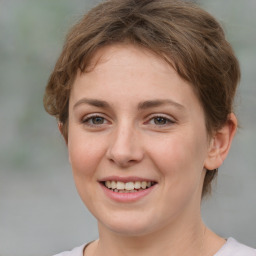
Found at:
(183, 34)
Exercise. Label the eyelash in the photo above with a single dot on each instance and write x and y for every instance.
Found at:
(167, 120)
(89, 119)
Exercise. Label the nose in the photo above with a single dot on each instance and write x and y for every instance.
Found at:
(125, 148)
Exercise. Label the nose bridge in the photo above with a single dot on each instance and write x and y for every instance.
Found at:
(125, 148)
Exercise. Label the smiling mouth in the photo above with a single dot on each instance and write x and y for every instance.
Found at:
(127, 187)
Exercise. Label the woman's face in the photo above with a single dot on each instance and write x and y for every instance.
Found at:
(137, 128)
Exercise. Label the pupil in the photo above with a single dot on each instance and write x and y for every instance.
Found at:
(97, 120)
(160, 120)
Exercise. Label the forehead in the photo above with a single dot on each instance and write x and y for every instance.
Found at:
(128, 67)
(124, 60)
(130, 72)
(127, 53)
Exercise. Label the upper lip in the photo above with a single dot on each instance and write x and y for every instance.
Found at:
(125, 179)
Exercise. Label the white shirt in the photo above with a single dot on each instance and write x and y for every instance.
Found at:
(233, 248)
(230, 248)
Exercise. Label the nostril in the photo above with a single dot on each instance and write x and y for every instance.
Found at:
(124, 149)
(125, 159)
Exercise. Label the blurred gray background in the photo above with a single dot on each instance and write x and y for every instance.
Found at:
(40, 211)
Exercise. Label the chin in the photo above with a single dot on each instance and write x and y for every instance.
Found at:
(129, 225)
(128, 230)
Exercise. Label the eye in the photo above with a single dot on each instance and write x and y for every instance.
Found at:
(94, 120)
(160, 121)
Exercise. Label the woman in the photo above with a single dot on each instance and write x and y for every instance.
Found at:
(143, 94)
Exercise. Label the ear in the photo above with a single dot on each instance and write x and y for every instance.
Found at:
(61, 129)
(220, 144)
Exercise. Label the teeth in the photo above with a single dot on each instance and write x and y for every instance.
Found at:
(137, 184)
(108, 184)
(113, 184)
(129, 186)
(121, 187)
(143, 184)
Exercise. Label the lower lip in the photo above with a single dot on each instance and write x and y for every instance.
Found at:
(126, 197)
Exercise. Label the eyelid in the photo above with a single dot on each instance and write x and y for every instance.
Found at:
(168, 118)
(85, 119)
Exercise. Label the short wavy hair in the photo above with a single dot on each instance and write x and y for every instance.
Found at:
(180, 32)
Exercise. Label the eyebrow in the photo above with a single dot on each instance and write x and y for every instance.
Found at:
(157, 103)
(92, 102)
(141, 106)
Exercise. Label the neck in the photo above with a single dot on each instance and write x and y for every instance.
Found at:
(183, 235)
(185, 240)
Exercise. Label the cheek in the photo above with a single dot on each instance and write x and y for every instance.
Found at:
(85, 153)
(180, 157)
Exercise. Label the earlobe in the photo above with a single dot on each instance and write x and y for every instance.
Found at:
(61, 130)
(220, 144)
(60, 125)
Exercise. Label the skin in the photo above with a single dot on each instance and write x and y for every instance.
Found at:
(150, 125)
